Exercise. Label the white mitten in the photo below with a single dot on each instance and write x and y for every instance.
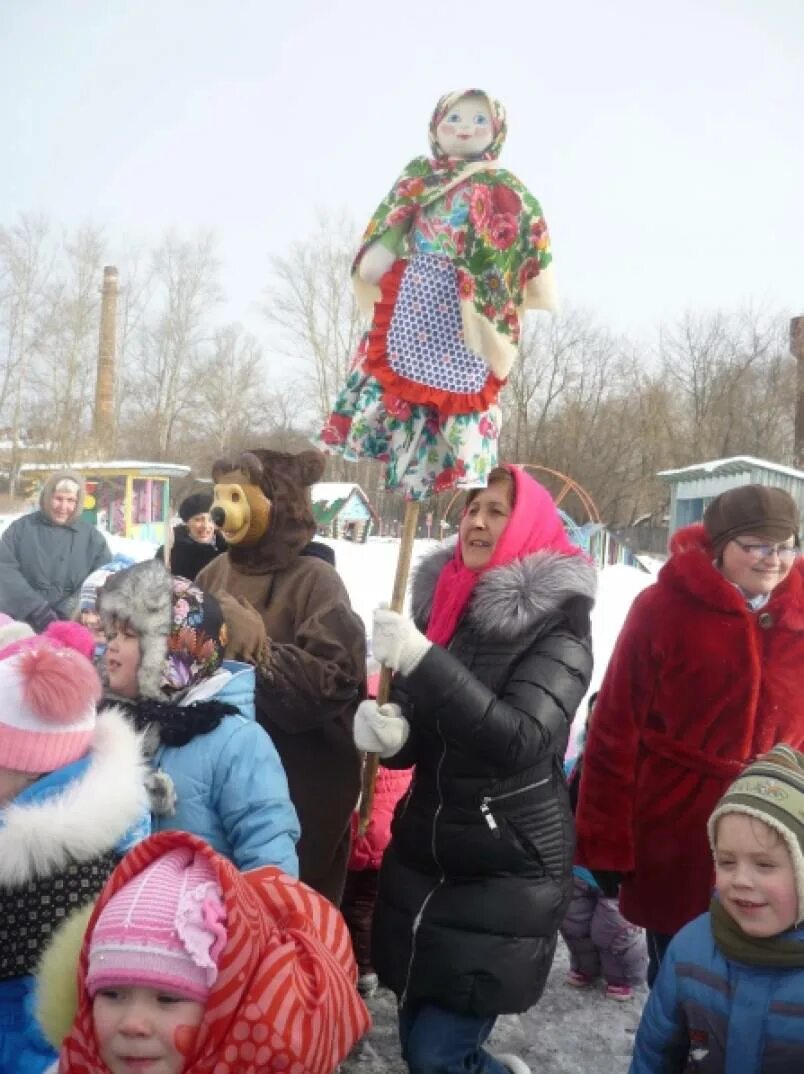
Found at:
(380, 728)
(375, 262)
(396, 642)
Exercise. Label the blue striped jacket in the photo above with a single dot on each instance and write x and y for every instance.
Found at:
(708, 1015)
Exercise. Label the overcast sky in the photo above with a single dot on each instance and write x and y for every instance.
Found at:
(664, 140)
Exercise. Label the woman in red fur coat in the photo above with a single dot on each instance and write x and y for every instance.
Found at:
(707, 674)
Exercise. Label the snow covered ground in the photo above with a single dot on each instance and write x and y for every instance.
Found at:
(567, 1032)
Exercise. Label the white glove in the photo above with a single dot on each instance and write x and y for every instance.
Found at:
(396, 642)
(380, 729)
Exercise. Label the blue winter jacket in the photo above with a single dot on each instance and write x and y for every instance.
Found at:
(230, 785)
(709, 1015)
(23, 1048)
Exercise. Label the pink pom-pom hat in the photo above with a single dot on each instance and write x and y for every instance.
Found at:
(47, 718)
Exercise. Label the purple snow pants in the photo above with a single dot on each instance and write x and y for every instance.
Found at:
(601, 942)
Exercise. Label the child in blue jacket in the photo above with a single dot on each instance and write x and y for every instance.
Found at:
(730, 992)
(72, 803)
(215, 771)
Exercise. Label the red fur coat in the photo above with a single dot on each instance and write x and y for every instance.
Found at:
(697, 686)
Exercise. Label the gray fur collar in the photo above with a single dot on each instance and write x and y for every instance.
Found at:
(509, 600)
(85, 819)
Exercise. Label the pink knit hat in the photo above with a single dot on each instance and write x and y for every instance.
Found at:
(165, 929)
(48, 695)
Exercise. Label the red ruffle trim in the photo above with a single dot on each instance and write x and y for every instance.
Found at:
(412, 391)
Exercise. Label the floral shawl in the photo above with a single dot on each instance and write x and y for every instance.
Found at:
(504, 267)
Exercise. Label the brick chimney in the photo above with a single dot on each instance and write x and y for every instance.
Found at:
(104, 425)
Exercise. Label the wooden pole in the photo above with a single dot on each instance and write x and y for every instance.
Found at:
(372, 762)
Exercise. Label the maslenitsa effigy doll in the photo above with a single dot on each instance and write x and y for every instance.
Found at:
(447, 266)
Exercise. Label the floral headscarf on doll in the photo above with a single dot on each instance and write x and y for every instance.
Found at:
(506, 246)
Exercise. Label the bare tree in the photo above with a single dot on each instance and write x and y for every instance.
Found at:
(230, 392)
(25, 265)
(717, 363)
(173, 336)
(63, 373)
(310, 300)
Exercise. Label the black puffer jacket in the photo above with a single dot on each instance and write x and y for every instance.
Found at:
(188, 557)
(475, 882)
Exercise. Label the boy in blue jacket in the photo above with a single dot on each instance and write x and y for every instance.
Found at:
(215, 771)
(729, 996)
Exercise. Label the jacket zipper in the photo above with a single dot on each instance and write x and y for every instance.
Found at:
(485, 809)
(418, 919)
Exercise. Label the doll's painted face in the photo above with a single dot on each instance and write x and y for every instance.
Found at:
(466, 130)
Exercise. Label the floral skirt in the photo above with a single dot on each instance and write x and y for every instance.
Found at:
(427, 449)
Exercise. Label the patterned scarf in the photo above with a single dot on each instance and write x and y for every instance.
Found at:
(285, 997)
(507, 242)
(534, 526)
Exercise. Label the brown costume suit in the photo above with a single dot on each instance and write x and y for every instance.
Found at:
(308, 647)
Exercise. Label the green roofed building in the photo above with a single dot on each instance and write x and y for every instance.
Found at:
(342, 509)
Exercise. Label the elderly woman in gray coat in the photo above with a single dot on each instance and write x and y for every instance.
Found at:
(46, 555)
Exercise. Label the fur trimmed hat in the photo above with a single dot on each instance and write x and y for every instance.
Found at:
(165, 929)
(181, 629)
(760, 510)
(771, 790)
(47, 718)
(197, 504)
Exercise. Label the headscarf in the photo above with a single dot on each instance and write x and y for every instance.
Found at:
(499, 125)
(533, 526)
(284, 997)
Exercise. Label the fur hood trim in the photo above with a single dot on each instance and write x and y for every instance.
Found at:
(89, 817)
(142, 596)
(509, 600)
(57, 977)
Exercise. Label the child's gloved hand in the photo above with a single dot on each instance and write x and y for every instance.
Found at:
(380, 729)
(396, 642)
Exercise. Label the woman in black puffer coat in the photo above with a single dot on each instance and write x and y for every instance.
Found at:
(475, 882)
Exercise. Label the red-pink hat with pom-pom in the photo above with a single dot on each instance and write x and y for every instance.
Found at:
(48, 698)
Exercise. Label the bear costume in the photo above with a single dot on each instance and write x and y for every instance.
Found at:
(288, 613)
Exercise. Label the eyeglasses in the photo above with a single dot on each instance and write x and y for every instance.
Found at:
(765, 551)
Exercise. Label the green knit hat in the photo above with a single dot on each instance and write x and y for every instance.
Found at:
(771, 790)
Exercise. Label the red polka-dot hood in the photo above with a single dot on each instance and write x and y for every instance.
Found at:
(284, 999)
